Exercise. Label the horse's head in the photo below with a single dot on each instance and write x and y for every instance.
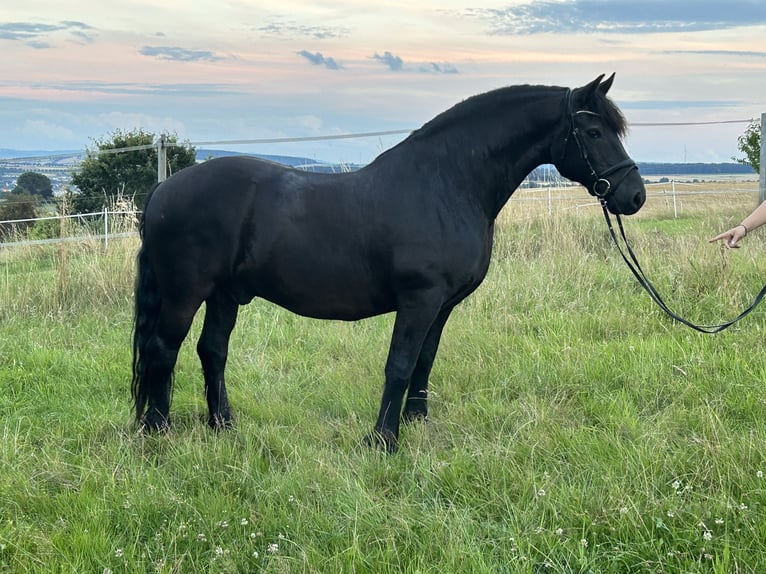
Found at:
(589, 148)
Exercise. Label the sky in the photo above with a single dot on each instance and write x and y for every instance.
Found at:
(73, 72)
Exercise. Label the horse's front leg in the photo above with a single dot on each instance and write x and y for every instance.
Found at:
(411, 327)
(416, 406)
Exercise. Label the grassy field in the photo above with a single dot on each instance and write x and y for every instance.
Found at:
(573, 427)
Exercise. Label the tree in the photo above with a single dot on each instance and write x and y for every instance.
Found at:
(107, 174)
(17, 206)
(749, 143)
(33, 183)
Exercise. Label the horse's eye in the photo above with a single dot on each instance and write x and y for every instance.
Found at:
(594, 133)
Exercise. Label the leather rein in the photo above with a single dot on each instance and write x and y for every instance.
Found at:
(601, 187)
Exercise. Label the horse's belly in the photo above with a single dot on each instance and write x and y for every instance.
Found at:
(320, 295)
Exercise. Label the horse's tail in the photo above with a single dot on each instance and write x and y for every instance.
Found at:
(147, 303)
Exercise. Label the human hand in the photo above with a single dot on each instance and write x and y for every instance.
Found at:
(731, 237)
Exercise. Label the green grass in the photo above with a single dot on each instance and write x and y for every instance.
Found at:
(573, 427)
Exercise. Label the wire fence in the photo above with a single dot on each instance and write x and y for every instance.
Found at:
(671, 199)
(102, 226)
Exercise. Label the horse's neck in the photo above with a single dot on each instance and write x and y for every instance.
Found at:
(493, 152)
(520, 142)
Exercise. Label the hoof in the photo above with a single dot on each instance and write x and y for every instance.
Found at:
(381, 440)
(416, 408)
(415, 416)
(155, 423)
(220, 422)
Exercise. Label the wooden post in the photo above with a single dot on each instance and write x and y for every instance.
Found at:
(762, 185)
(162, 159)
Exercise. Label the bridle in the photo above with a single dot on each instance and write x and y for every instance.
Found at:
(601, 187)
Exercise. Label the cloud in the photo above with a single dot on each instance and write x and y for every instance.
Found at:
(35, 34)
(396, 64)
(294, 29)
(176, 54)
(318, 59)
(679, 104)
(434, 68)
(626, 16)
(47, 130)
(39, 45)
(734, 53)
(200, 90)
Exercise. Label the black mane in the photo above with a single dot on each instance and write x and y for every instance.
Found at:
(494, 102)
(488, 104)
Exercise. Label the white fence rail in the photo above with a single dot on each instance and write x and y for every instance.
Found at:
(106, 227)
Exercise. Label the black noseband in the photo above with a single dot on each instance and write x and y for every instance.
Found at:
(601, 186)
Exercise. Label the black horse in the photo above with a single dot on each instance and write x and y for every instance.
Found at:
(409, 233)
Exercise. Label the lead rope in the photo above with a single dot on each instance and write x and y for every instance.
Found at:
(639, 274)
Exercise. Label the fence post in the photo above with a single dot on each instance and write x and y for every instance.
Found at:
(162, 159)
(762, 186)
(106, 228)
(675, 206)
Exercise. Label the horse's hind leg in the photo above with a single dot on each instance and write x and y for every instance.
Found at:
(160, 359)
(212, 348)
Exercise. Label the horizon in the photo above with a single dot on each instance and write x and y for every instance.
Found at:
(39, 154)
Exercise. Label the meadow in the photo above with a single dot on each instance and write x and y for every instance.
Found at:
(573, 427)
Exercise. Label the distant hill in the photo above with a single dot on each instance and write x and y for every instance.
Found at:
(297, 162)
(695, 168)
(57, 157)
(308, 164)
(6, 153)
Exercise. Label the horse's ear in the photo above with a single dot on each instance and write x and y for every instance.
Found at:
(606, 84)
(589, 90)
